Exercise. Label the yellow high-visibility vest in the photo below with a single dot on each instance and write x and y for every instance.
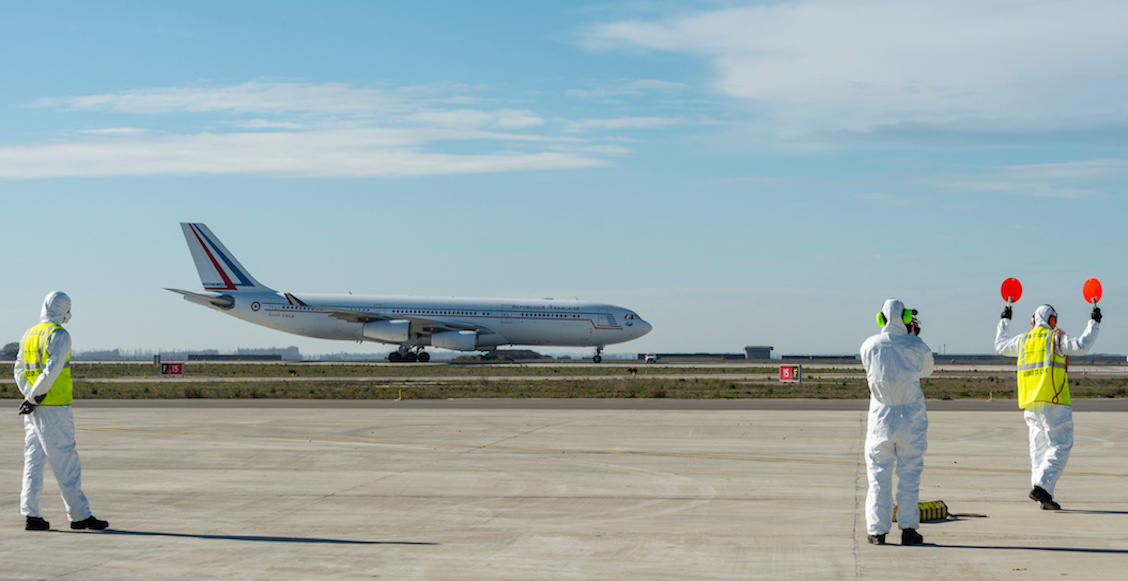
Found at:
(33, 346)
(1042, 370)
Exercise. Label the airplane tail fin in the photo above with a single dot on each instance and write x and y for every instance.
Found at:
(218, 268)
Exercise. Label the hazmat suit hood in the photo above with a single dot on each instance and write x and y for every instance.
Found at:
(1042, 316)
(893, 309)
(56, 308)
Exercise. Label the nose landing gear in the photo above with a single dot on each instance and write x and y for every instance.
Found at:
(598, 355)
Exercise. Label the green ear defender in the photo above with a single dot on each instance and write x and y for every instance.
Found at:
(906, 316)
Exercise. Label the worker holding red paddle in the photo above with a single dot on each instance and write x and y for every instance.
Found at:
(1043, 385)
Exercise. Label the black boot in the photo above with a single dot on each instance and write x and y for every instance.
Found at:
(90, 523)
(1040, 495)
(911, 537)
(35, 523)
(876, 539)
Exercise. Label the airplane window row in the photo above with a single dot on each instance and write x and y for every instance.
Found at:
(462, 313)
(428, 312)
(476, 314)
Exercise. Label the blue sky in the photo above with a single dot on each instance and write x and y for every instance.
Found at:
(740, 173)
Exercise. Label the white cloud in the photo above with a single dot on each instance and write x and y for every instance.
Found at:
(113, 131)
(327, 154)
(267, 124)
(297, 129)
(822, 66)
(593, 150)
(628, 88)
(1072, 180)
(251, 97)
(620, 123)
(887, 201)
(295, 100)
(506, 119)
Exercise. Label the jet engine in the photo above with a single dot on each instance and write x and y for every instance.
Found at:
(455, 340)
(395, 331)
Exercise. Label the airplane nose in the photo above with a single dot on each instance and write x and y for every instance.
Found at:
(642, 327)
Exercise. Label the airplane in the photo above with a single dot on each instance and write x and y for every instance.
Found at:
(411, 323)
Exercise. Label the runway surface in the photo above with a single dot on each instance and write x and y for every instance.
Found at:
(560, 489)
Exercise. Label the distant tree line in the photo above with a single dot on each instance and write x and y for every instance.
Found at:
(287, 353)
(9, 352)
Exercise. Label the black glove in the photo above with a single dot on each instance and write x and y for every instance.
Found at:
(1096, 316)
(26, 407)
(1007, 312)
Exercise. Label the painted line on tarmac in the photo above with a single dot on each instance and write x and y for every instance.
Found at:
(576, 451)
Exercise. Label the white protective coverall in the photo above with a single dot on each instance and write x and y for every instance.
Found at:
(49, 430)
(897, 432)
(1050, 424)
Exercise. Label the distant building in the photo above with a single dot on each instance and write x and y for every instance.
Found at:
(244, 357)
(690, 356)
(758, 352)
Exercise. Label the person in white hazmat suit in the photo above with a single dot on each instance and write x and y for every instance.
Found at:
(43, 375)
(897, 430)
(1043, 391)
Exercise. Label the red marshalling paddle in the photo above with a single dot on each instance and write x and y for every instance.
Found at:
(1012, 290)
(1092, 291)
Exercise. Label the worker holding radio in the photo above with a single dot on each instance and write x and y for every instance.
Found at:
(897, 428)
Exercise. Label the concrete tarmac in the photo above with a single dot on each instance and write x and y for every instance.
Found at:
(553, 489)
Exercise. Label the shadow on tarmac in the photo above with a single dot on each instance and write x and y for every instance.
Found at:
(253, 538)
(1079, 511)
(1049, 549)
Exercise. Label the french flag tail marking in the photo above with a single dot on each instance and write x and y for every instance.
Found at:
(219, 270)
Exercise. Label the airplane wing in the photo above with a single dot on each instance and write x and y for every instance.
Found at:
(354, 316)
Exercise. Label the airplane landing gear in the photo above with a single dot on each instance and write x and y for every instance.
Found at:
(598, 355)
(407, 354)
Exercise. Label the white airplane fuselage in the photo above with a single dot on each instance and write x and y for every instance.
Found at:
(412, 323)
(550, 322)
